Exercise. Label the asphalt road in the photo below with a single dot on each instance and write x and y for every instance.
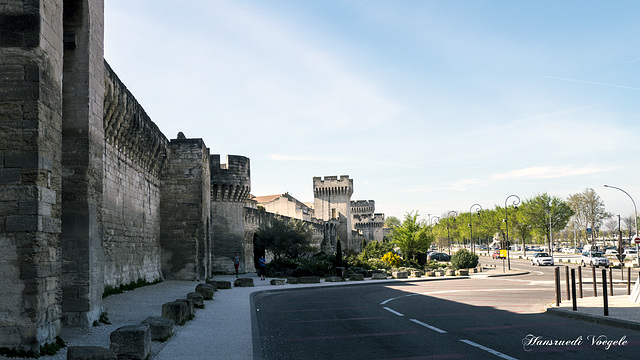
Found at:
(443, 318)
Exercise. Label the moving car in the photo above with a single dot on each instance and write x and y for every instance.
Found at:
(541, 258)
(594, 258)
(439, 256)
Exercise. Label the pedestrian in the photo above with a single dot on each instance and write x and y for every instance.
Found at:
(262, 267)
(236, 263)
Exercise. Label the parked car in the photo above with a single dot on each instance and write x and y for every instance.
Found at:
(611, 252)
(594, 258)
(541, 258)
(496, 254)
(439, 256)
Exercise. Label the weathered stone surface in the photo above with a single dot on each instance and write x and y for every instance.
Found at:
(430, 273)
(462, 272)
(213, 283)
(378, 276)
(417, 273)
(90, 353)
(450, 272)
(333, 279)
(206, 290)
(161, 327)
(356, 277)
(277, 281)
(191, 310)
(131, 342)
(309, 280)
(439, 272)
(243, 282)
(221, 284)
(176, 311)
(400, 274)
(198, 299)
(292, 280)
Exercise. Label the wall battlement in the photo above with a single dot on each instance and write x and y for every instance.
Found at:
(230, 181)
(331, 185)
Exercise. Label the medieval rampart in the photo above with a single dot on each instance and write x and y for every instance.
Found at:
(135, 151)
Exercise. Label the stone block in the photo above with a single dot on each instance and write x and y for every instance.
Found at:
(400, 274)
(161, 328)
(198, 299)
(131, 342)
(221, 284)
(462, 272)
(213, 283)
(277, 281)
(309, 280)
(439, 272)
(90, 353)
(450, 272)
(378, 276)
(206, 290)
(243, 282)
(356, 277)
(191, 309)
(417, 273)
(176, 311)
(430, 273)
(333, 279)
(292, 280)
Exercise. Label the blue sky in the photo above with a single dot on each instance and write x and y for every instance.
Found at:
(428, 105)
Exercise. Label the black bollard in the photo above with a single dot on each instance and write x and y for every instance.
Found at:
(628, 281)
(604, 292)
(567, 281)
(595, 281)
(580, 280)
(610, 282)
(573, 289)
(557, 274)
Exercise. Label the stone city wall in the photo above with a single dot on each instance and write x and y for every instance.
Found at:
(134, 156)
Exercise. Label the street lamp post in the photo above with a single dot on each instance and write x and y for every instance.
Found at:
(635, 209)
(448, 223)
(437, 220)
(473, 245)
(506, 224)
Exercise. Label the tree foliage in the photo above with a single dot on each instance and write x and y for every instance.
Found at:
(546, 214)
(412, 236)
(464, 259)
(289, 238)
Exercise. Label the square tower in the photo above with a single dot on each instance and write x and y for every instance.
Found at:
(332, 201)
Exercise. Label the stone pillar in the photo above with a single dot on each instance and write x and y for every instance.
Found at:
(185, 210)
(30, 171)
(82, 161)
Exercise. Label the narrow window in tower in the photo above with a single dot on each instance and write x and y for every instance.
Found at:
(334, 214)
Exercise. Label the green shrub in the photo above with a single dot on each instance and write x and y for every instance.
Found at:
(302, 271)
(464, 259)
(393, 259)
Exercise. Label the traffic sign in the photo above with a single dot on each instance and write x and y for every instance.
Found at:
(637, 240)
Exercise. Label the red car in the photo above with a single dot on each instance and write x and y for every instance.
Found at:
(496, 254)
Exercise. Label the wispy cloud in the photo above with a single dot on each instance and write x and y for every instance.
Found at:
(550, 172)
(592, 83)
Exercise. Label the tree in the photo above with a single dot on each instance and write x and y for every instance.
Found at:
(284, 238)
(391, 222)
(589, 209)
(546, 214)
(412, 236)
(338, 253)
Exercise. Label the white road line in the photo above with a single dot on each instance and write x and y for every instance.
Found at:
(393, 311)
(494, 352)
(428, 326)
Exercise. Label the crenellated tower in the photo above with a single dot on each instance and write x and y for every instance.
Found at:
(332, 201)
(230, 188)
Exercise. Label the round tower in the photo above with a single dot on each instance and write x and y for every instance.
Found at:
(230, 188)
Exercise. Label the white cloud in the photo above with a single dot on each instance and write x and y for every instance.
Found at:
(550, 172)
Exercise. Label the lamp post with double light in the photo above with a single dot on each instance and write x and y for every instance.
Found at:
(448, 226)
(635, 209)
(516, 202)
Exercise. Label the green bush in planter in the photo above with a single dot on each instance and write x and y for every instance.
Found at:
(464, 259)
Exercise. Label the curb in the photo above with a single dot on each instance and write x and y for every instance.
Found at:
(625, 324)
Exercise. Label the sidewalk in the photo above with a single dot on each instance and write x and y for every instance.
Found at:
(622, 312)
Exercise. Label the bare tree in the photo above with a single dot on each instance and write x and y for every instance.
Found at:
(589, 209)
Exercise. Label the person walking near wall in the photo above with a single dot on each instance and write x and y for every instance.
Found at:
(236, 262)
(262, 267)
